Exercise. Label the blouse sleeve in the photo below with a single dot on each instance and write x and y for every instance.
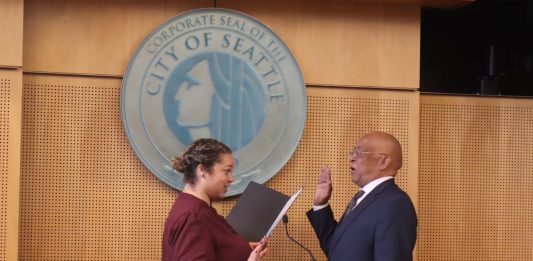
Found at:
(193, 241)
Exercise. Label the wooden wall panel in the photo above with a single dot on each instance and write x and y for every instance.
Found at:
(337, 117)
(328, 39)
(91, 37)
(11, 17)
(345, 43)
(84, 193)
(10, 139)
(476, 175)
(86, 196)
(11, 21)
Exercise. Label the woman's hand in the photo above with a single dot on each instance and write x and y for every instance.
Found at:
(259, 251)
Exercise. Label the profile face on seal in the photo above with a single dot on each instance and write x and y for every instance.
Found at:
(194, 97)
(218, 96)
(214, 73)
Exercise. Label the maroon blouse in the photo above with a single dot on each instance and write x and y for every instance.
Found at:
(194, 231)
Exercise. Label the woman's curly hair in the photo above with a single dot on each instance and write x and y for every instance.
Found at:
(206, 152)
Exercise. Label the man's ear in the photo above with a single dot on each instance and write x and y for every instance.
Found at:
(384, 162)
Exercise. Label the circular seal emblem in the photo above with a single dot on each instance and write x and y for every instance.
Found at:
(214, 73)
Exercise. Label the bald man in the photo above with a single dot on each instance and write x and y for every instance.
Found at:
(380, 221)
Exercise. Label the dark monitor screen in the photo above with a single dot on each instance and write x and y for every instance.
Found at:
(485, 47)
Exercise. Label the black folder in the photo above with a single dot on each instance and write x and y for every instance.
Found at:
(258, 211)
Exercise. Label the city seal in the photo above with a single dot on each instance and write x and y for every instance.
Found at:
(216, 73)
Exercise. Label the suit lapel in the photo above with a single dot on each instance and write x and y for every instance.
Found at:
(347, 220)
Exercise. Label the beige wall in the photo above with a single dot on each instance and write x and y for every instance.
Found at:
(475, 197)
(85, 195)
(91, 37)
(99, 37)
(11, 17)
(346, 43)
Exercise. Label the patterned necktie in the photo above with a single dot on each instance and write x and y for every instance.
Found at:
(353, 202)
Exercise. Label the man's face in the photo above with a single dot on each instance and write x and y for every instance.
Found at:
(364, 163)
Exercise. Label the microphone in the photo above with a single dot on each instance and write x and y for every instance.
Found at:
(285, 221)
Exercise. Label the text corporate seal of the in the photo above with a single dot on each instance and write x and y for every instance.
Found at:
(216, 73)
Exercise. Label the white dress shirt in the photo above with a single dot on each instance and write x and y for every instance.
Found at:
(367, 188)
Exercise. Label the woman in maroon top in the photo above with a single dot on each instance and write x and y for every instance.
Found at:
(193, 229)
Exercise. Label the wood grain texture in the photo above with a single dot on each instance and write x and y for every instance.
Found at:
(475, 197)
(345, 43)
(10, 149)
(92, 37)
(11, 17)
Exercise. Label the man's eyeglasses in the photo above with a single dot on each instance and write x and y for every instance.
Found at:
(357, 153)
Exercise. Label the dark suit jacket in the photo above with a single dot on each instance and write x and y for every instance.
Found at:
(381, 227)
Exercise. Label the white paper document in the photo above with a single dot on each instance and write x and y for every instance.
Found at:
(283, 211)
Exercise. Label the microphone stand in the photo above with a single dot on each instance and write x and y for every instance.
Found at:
(285, 221)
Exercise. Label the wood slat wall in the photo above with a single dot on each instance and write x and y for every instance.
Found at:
(11, 17)
(92, 37)
(337, 118)
(476, 175)
(84, 193)
(345, 43)
(327, 39)
(86, 196)
(10, 149)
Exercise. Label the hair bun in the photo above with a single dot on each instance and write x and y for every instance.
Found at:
(178, 164)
